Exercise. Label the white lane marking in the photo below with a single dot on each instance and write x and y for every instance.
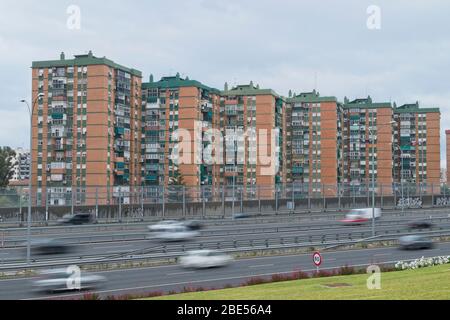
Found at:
(113, 251)
(382, 254)
(116, 247)
(262, 266)
(180, 273)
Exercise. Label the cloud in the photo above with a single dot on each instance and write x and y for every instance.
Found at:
(279, 44)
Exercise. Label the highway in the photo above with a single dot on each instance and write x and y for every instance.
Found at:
(173, 277)
(89, 243)
(105, 240)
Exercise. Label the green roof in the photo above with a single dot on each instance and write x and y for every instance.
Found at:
(414, 108)
(177, 82)
(377, 105)
(249, 90)
(310, 97)
(365, 103)
(84, 60)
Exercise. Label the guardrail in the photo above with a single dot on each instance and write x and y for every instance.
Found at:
(232, 247)
(310, 213)
(134, 236)
(259, 218)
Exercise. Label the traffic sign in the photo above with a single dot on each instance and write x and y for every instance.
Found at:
(317, 258)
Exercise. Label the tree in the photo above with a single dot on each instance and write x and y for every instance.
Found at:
(177, 179)
(176, 185)
(6, 165)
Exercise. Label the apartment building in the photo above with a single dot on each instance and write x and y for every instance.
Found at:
(99, 130)
(86, 130)
(447, 145)
(367, 134)
(314, 140)
(177, 114)
(21, 169)
(417, 156)
(253, 123)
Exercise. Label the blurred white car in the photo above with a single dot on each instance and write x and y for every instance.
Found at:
(205, 259)
(61, 280)
(165, 225)
(361, 216)
(176, 233)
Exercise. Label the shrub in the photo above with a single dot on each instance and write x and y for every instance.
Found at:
(278, 278)
(91, 296)
(345, 271)
(255, 281)
(298, 275)
(188, 290)
(155, 294)
(323, 274)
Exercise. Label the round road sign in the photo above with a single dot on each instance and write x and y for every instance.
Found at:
(317, 258)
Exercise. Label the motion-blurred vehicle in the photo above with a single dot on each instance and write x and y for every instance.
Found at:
(165, 225)
(420, 224)
(194, 225)
(61, 280)
(76, 219)
(360, 216)
(172, 224)
(415, 242)
(180, 233)
(205, 259)
(50, 247)
(241, 216)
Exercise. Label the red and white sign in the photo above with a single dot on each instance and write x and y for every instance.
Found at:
(317, 258)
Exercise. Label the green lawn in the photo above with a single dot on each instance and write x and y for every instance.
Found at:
(427, 283)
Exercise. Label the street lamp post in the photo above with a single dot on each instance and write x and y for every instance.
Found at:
(373, 176)
(401, 176)
(373, 183)
(30, 110)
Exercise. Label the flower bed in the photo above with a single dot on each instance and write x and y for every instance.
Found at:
(422, 263)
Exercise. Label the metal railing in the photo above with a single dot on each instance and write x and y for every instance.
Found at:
(182, 201)
(164, 252)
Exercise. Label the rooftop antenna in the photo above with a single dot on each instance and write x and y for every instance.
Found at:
(315, 80)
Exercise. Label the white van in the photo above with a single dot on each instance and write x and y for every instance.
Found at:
(360, 216)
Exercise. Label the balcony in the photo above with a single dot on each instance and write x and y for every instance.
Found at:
(297, 170)
(151, 178)
(206, 106)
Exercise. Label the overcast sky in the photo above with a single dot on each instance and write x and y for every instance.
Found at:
(278, 44)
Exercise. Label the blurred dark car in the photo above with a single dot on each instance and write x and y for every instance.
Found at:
(415, 243)
(77, 219)
(194, 225)
(420, 224)
(242, 216)
(50, 247)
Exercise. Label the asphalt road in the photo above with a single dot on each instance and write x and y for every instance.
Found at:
(137, 236)
(174, 277)
(241, 234)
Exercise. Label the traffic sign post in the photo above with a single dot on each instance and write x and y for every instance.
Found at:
(317, 259)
